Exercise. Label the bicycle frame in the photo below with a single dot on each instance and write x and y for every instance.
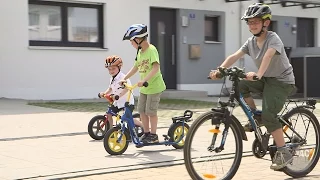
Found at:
(228, 109)
(236, 95)
(127, 118)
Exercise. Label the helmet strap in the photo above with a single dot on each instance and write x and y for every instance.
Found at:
(139, 45)
(260, 33)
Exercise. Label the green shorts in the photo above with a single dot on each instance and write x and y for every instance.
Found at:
(274, 96)
(149, 103)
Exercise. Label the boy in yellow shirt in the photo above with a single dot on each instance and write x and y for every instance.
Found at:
(148, 64)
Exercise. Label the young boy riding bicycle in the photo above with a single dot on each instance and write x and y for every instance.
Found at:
(275, 74)
(114, 64)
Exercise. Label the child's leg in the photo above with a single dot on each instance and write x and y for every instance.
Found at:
(115, 110)
(137, 122)
(142, 110)
(110, 120)
(154, 124)
(151, 110)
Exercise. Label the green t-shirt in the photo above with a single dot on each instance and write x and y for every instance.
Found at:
(144, 64)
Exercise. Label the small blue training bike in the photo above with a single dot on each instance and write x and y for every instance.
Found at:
(116, 139)
(99, 124)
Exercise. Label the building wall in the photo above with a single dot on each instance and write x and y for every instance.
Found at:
(72, 73)
(193, 72)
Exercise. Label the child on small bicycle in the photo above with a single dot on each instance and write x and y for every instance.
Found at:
(275, 76)
(114, 64)
(148, 64)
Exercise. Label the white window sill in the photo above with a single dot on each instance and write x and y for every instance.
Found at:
(212, 42)
(67, 48)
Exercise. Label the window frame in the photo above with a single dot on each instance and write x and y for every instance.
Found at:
(64, 25)
(216, 28)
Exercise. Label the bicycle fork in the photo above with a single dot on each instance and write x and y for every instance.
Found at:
(226, 116)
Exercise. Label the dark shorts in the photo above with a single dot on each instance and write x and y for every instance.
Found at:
(115, 109)
(274, 96)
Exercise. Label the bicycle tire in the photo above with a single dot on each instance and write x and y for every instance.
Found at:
(315, 122)
(187, 147)
(93, 134)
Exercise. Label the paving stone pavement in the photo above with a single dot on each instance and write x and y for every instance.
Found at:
(44, 143)
(250, 168)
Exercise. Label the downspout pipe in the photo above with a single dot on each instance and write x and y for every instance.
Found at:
(241, 60)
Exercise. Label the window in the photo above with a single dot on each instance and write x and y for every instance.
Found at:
(273, 26)
(211, 28)
(65, 24)
(305, 32)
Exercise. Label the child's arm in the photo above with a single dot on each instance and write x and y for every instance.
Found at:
(123, 92)
(108, 91)
(132, 71)
(154, 70)
(266, 62)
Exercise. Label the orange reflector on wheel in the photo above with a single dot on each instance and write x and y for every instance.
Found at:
(285, 128)
(311, 154)
(210, 176)
(214, 130)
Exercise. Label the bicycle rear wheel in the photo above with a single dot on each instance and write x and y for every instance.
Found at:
(209, 163)
(306, 156)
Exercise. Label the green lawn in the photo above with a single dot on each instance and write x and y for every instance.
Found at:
(179, 104)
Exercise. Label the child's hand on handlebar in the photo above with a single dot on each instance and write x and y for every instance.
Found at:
(101, 95)
(215, 74)
(140, 83)
(122, 81)
(252, 76)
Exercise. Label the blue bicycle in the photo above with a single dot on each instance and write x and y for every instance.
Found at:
(214, 144)
(116, 139)
(99, 124)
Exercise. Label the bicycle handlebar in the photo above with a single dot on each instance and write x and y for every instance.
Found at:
(234, 72)
(109, 97)
(125, 85)
(130, 88)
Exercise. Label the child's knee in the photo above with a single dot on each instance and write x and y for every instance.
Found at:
(270, 121)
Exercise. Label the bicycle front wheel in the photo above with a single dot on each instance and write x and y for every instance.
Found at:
(204, 158)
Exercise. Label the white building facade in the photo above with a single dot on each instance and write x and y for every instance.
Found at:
(56, 49)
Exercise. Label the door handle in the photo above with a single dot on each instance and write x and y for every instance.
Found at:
(173, 49)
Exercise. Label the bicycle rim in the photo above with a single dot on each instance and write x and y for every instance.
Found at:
(305, 157)
(212, 165)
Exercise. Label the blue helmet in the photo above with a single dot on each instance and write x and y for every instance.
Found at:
(136, 31)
